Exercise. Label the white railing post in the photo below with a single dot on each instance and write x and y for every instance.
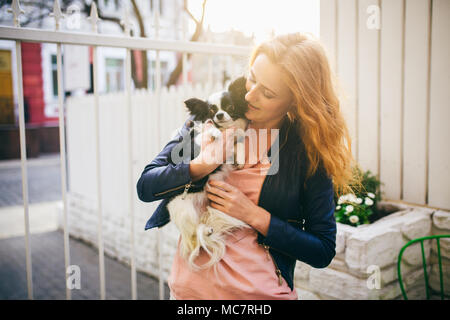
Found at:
(16, 10)
(127, 26)
(62, 144)
(158, 138)
(185, 38)
(94, 19)
(210, 62)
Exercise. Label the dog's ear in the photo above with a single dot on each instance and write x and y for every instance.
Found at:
(198, 108)
(238, 91)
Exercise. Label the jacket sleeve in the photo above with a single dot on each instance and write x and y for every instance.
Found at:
(317, 243)
(163, 174)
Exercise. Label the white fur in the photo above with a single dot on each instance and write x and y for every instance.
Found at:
(201, 226)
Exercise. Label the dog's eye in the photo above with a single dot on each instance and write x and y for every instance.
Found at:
(229, 108)
(213, 109)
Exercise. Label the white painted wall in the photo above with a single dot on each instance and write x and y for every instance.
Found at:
(395, 82)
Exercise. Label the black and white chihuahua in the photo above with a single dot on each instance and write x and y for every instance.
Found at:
(200, 225)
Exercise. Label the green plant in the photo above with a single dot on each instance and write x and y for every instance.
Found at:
(355, 208)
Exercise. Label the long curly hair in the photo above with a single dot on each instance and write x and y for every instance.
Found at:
(323, 130)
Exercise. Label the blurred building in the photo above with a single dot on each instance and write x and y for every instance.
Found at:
(223, 68)
(40, 69)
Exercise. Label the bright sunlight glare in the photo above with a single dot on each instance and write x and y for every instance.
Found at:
(259, 17)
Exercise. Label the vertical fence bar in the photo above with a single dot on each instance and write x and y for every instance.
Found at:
(130, 176)
(62, 157)
(185, 31)
(62, 145)
(210, 62)
(158, 111)
(126, 23)
(424, 263)
(99, 184)
(441, 281)
(16, 10)
(23, 158)
(101, 255)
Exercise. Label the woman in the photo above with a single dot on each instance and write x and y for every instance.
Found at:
(290, 210)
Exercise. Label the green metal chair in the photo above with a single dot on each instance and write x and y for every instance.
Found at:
(427, 288)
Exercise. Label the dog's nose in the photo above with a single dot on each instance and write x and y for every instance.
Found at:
(219, 116)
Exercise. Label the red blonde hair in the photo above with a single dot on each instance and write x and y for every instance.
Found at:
(323, 130)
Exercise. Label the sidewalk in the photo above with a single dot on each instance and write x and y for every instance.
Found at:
(43, 217)
(47, 242)
(44, 180)
(47, 255)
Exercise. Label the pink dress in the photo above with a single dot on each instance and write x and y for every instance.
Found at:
(247, 271)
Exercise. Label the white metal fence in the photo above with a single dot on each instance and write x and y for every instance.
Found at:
(95, 40)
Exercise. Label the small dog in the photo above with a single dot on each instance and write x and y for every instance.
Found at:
(200, 225)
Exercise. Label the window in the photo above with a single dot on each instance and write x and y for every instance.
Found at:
(114, 74)
(54, 76)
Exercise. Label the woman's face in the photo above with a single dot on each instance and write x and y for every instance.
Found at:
(268, 96)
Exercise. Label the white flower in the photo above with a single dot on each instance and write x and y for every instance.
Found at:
(349, 208)
(342, 199)
(338, 207)
(358, 201)
(370, 194)
(353, 219)
(353, 199)
(368, 201)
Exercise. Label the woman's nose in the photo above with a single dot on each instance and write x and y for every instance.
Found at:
(251, 94)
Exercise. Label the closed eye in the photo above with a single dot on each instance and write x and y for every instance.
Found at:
(268, 96)
(264, 90)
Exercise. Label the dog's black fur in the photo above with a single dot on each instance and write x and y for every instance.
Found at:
(231, 101)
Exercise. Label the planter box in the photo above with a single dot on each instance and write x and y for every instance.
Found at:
(365, 265)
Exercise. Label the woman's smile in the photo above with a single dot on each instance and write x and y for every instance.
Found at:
(252, 107)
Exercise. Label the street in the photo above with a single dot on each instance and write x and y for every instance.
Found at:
(47, 244)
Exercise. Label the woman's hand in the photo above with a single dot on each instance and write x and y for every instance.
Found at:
(213, 151)
(232, 201)
(215, 143)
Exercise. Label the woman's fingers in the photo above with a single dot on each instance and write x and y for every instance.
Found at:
(217, 146)
(218, 207)
(216, 191)
(221, 184)
(216, 199)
